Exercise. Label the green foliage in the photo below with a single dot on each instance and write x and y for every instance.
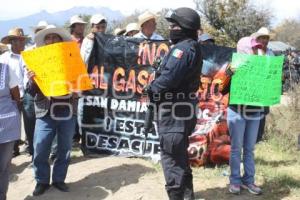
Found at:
(162, 24)
(233, 18)
(283, 121)
(133, 18)
(289, 31)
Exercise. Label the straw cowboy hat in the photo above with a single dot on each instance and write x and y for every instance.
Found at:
(40, 26)
(40, 36)
(263, 31)
(13, 33)
(146, 16)
(132, 27)
(76, 19)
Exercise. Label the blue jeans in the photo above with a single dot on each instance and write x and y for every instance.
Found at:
(29, 119)
(243, 134)
(45, 130)
(6, 151)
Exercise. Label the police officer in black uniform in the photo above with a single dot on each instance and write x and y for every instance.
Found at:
(174, 94)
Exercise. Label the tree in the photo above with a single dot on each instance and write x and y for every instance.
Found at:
(133, 18)
(162, 24)
(234, 18)
(289, 31)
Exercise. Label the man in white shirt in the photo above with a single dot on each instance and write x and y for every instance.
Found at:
(147, 23)
(13, 59)
(16, 39)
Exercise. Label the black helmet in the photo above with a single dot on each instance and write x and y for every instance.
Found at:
(185, 17)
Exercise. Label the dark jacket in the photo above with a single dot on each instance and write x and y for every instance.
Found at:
(178, 81)
(42, 104)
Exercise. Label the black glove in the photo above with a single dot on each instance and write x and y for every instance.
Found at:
(146, 90)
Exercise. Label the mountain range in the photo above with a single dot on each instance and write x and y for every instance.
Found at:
(57, 18)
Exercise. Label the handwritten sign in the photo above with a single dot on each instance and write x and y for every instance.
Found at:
(257, 80)
(59, 68)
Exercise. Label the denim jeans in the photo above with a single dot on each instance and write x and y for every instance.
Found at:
(6, 151)
(29, 119)
(243, 134)
(45, 130)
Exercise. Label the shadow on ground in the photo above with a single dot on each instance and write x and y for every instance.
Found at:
(99, 185)
(275, 163)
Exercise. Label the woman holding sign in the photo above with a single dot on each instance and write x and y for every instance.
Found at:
(55, 116)
(243, 122)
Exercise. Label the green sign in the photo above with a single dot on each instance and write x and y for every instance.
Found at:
(257, 80)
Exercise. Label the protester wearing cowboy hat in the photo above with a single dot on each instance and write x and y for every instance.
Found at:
(47, 126)
(16, 39)
(131, 29)
(246, 131)
(147, 24)
(262, 38)
(99, 24)
(77, 26)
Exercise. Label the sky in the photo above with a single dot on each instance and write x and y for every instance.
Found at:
(18, 8)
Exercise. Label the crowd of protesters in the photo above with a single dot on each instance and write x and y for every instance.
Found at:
(48, 137)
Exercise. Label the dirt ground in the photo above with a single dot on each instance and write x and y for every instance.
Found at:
(117, 178)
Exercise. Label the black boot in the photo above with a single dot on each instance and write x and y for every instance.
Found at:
(189, 193)
(188, 186)
(40, 189)
(175, 194)
(61, 186)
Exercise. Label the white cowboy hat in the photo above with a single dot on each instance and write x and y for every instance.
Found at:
(146, 16)
(263, 31)
(13, 33)
(40, 36)
(96, 19)
(41, 25)
(76, 19)
(119, 31)
(132, 27)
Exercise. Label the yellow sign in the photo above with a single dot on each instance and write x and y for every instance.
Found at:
(58, 68)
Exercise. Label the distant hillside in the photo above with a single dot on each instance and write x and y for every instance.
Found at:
(57, 18)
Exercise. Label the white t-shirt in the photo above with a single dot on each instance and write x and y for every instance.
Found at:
(86, 49)
(13, 80)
